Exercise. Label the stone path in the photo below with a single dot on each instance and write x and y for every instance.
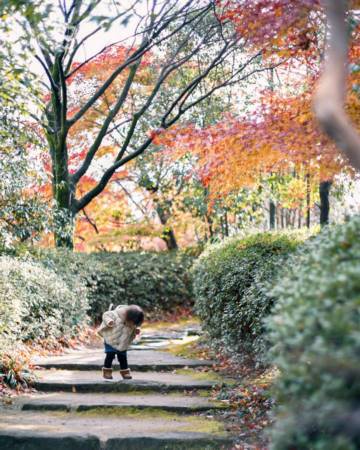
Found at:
(141, 360)
(165, 406)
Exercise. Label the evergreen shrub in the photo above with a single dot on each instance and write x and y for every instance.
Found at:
(231, 284)
(315, 333)
(35, 303)
(154, 281)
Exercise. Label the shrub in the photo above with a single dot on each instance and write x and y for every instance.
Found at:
(231, 289)
(36, 303)
(154, 281)
(315, 331)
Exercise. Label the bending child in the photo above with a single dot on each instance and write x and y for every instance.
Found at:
(119, 328)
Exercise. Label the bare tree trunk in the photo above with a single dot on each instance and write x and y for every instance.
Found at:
(168, 233)
(308, 199)
(288, 218)
(209, 224)
(169, 238)
(324, 190)
(272, 214)
(226, 224)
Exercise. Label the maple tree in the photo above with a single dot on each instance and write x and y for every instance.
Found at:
(287, 26)
(281, 28)
(282, 136)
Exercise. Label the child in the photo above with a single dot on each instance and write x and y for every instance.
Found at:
(119, 328)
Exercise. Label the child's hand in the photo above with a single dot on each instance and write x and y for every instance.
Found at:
(137, 331)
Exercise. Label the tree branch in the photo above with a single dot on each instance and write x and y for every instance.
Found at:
(91, 222)
(102, 133)
(144, 47)
(165, 124)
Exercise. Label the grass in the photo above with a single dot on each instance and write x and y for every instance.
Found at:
(187, 349)
(208, 375)
(129, 412)
(193, 423)
(205, 425)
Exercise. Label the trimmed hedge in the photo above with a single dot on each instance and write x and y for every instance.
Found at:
(231, 289)
(315, 332)
(35, 303)
(154, 281)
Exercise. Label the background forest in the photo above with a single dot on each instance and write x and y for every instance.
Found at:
(187, 145)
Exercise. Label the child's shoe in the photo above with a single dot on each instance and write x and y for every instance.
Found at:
(107, 373)
(126, 374)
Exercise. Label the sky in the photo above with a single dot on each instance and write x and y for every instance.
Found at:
(102, 38)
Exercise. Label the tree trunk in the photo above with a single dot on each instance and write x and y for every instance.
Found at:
(168, 233)
(324, 190)
(272, 211)
(224, 225)
(169, 238)
(209, 223)
(300, 219)
(64, 230)
(56, 135)
(63, 193)
(64, 215)
(308, 201)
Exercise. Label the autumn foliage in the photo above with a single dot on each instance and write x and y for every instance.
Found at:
(282, 134)
(282, 27)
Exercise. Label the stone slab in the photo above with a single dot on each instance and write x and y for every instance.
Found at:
(162, 337)
(92, 359)
(83, 402)
(91, 381)
(175, 441)
(30, 430)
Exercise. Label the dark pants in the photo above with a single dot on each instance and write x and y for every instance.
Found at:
(121, 356)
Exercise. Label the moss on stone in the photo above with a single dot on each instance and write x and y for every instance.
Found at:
(192, 423)
(208, 375)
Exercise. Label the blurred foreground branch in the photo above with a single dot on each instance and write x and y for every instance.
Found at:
(330, 95)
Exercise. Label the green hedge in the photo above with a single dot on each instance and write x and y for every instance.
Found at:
(231, 289)
(35, 303)
(155, 281)
(315, 331)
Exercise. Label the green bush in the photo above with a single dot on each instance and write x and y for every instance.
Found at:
(154, 281)
(231, 289)
(35, 303)
(315, 331)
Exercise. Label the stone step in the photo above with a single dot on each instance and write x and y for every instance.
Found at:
(161, 337)
(34, 430)
(121, 402)
(91, 381)
(145, 360)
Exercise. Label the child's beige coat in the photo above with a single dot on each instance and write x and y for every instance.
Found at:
(119, 334)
